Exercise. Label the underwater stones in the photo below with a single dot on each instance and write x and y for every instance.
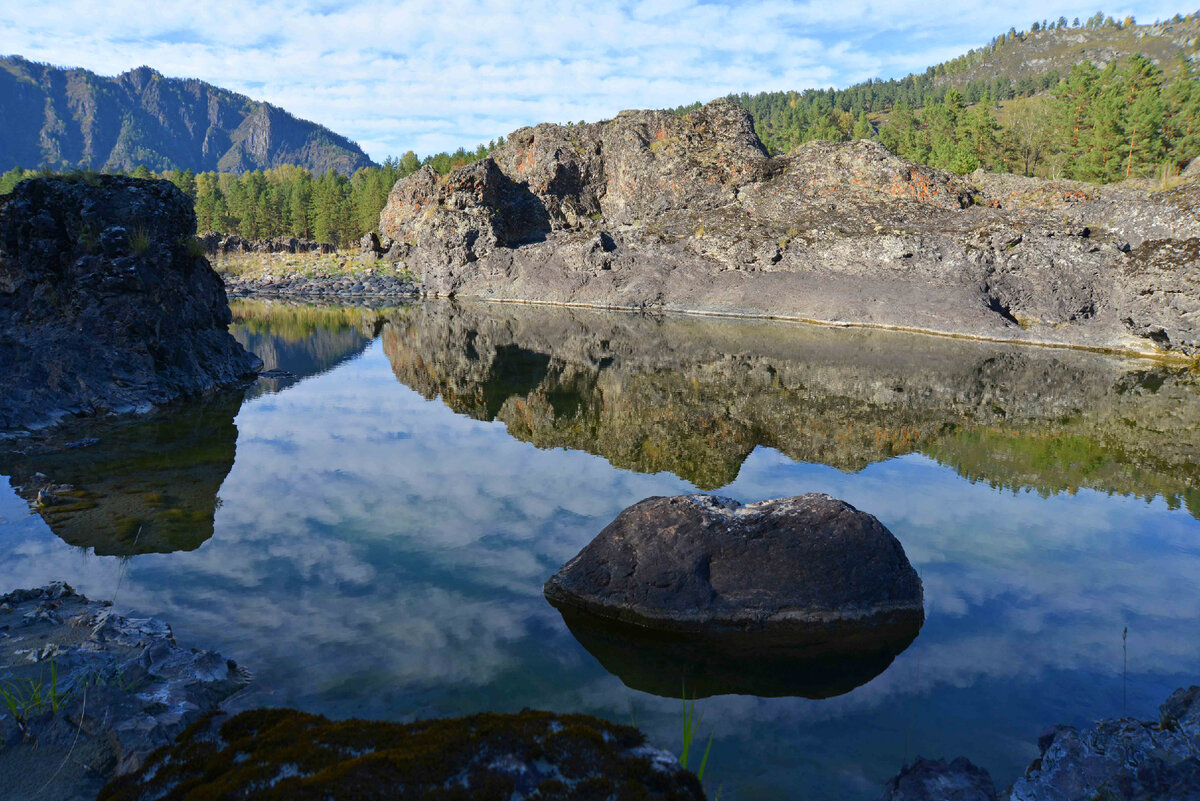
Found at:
(809, 564)
(286, 754)
(937, 780)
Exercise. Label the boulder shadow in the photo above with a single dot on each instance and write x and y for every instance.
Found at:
(765, 664)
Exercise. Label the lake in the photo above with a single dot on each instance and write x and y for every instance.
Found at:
(369, 528)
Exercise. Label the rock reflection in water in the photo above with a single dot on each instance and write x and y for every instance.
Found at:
(147, 484)
(297, 341)
(695, 396)
(670, 664)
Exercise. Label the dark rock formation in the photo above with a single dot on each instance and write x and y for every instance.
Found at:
(132, 485)
(76, 118)
(655, 210)
(935, 780)
(1121, 760)
(808, 565)
(218, 244)
(104, 302)
(695, 396)
(124, 687)
(285, 754)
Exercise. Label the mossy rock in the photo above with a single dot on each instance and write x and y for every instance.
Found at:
(286, 754)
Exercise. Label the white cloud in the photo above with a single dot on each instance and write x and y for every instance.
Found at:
(429, 75)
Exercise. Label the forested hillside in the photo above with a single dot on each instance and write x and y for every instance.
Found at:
(1061, 99)
(74, 118)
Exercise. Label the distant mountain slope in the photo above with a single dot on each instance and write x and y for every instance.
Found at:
(75, 118)
(1015, 64)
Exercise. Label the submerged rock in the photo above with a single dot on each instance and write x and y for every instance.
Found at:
(106, 302)
(808, 565)
(285, 754)
(935, 780)
(122, 688)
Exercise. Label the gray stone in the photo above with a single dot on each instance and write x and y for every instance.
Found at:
(697, 563)
(126, 688)
(841, 233)
(97, 279)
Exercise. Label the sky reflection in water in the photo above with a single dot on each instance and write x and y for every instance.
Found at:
(378, 554)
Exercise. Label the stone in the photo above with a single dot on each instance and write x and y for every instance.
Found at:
(809, 564)
(370, 243)
(99, 279)
(126, 688)
(528, 755)
(935, 780)
(1121, 760)
(835, 232)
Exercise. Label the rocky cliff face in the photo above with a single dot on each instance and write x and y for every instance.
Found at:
(105, 301)
(654, 210)
(75, 118)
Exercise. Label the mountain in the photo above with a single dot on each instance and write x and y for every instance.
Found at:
(63, 118)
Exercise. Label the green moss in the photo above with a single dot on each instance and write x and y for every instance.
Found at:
(246, 756)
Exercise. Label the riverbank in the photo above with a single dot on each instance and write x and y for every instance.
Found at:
(314, 274)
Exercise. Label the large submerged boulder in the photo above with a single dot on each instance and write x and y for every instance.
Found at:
(701, 563)
(286, 754)
(688, 212)
(106, 300)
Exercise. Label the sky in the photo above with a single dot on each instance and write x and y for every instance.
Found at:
(431, 75)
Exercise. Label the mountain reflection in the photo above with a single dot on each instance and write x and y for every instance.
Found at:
(695, 396)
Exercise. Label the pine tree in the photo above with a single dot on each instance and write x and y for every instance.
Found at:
(862, 127)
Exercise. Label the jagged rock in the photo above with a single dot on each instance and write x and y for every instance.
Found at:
(369, 243)
(529, 755)
(705, 564)
(1121, 760)
(841, 232)
(104, 303)
(125, 689)
(218, 244)
(935, 780)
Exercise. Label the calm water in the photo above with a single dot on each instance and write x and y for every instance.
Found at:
(370, 534)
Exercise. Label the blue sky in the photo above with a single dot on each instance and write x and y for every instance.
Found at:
(429, 75)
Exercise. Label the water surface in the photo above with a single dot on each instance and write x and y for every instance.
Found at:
(369, 531)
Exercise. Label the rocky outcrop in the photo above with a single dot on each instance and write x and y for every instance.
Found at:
(529, 755)
(113, 690)
(700, 563)
(217, 244)
(1122, 760)
(1118, 760)
(105, 303)
(662, 211)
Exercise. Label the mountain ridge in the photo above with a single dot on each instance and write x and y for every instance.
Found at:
(77, 118)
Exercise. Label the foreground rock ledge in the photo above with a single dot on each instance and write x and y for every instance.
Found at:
(106, 301)
(125, 687)
(285, 754)
(809, 564)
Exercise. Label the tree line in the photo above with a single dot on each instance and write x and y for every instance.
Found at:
(289, 200)
(1060, 125)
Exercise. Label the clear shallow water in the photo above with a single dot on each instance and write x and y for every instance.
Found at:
(370, 537)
